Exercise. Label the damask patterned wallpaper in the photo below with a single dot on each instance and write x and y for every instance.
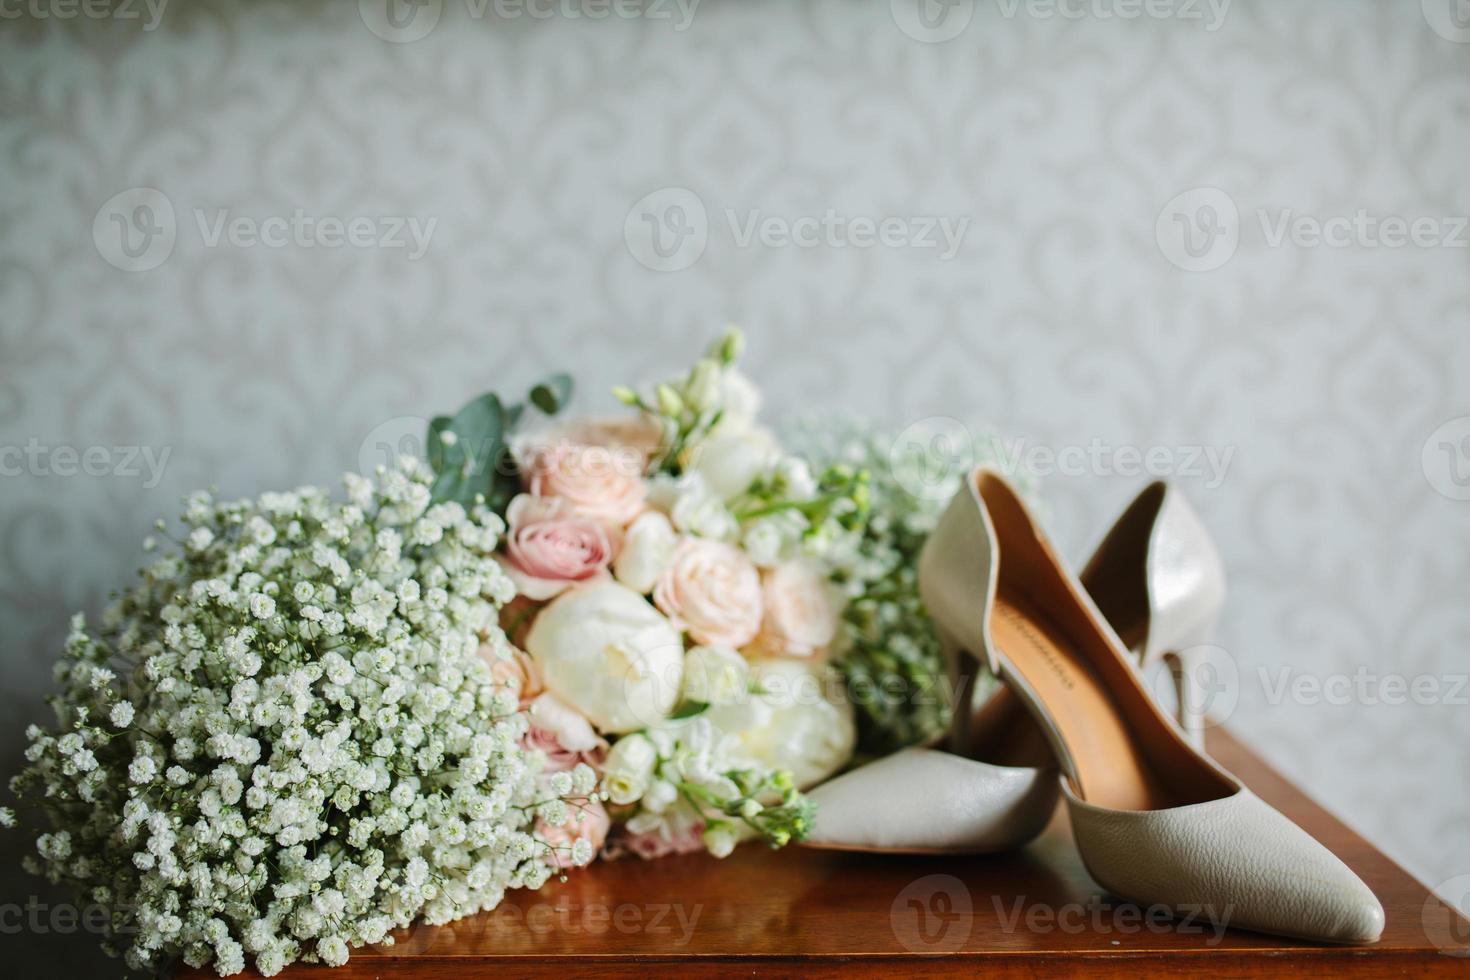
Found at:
(246, 244)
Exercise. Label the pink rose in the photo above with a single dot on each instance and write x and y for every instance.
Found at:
(517, 671)
(800, 618)
(712, 590)
(562, 735)
(599, 483)
(586, 819)
(548, 547)
(653, 844)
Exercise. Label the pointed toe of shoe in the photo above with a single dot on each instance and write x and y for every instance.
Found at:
(925, 801)
(1235, 861)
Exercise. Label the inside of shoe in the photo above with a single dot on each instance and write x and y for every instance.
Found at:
(1123, 752)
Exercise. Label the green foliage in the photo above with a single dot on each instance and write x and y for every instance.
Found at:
(470, 453)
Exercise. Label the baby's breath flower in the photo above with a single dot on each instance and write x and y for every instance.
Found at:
(303, 752)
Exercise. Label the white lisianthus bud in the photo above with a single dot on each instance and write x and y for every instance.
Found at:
(647, 548)
(628, 769)
(720, 839)
(715, 675)
(703, 389)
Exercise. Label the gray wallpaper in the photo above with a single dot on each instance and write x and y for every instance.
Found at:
(251, 244)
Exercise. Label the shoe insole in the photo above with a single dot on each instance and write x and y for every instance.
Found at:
(1109, 768)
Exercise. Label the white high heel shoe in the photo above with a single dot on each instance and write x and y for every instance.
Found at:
(1158, 577)
(1158, 581)
(1156, 821)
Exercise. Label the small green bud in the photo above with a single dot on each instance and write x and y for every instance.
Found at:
(702, 390)
(669, 402)
(626, 395)
(730, 346)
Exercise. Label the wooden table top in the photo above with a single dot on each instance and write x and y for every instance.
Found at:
(825, 913)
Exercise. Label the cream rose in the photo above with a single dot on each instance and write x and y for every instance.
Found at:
(598, 482)
(801, 722)
(548, 547)
(605, 651)
(647, 550)
(800, 617)
(712, 590)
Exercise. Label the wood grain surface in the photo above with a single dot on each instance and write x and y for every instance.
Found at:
(824, 913)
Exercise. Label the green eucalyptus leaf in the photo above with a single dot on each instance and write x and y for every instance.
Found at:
(434, 446)
(552, 393)
(689, 709)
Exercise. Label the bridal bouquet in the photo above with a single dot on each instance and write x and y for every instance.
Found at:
(314, 721)
(675, 602)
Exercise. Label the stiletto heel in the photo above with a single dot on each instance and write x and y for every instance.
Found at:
(1156, 821)
(1189, 692)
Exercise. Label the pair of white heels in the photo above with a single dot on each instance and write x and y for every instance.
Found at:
(1155, 820)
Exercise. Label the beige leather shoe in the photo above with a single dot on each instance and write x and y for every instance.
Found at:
(1156, 821)
(1157, 576)
(1158, 581)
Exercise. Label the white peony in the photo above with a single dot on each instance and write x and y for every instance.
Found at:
(801, 723)
(647, 548)
(604, 650)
